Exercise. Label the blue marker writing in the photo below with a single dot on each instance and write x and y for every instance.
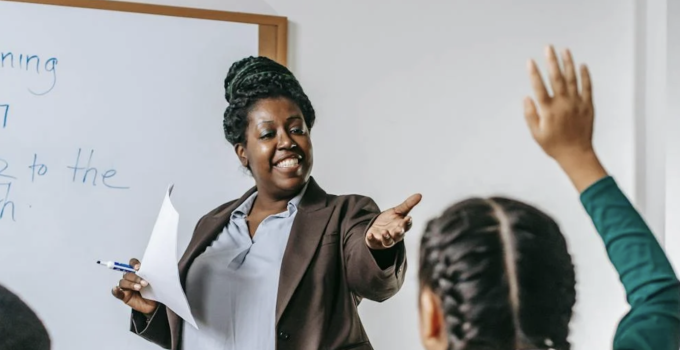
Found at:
(117, 266)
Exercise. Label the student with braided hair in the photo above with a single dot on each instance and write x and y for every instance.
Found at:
(286, 265)
(496, 274)
(20, 327)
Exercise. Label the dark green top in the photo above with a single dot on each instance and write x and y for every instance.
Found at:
(652, 289)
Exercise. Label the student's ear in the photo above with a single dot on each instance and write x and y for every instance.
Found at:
(433, 332)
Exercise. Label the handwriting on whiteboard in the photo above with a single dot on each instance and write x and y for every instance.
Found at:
(32, 64)
(82, 170)
(4, 112)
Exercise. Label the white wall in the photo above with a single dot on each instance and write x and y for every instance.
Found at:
(408, 94)
(672, 132)
(650, 114)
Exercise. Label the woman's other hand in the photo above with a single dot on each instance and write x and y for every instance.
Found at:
(128, 289)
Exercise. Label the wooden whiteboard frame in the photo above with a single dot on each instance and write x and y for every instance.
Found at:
(273, 30)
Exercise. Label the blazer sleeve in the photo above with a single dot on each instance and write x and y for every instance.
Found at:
(156, 329)
(364, 275)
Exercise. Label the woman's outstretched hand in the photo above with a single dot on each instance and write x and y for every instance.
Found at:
(390, 227)
(562, 124)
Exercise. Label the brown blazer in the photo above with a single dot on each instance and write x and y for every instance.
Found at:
(327, 270)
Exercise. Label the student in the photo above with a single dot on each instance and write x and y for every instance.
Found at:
(495, 273)
(20, 327)
(286, 265)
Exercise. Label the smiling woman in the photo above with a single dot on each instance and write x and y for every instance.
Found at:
(285, 161)
(286, 265)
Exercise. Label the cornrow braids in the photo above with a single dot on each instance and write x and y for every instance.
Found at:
(252, 79)
(503, 273)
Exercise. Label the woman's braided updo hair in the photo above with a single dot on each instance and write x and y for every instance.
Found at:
(252, 79)
(503, 273)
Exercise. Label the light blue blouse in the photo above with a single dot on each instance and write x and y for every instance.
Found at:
(232, 287)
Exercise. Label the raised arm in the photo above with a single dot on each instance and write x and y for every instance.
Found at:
(563, 128)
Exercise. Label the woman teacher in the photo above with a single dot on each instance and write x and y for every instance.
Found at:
(286, 265)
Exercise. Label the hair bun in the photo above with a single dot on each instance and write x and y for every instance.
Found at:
(249, 70)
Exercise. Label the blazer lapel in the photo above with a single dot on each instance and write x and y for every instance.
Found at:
(305, 235)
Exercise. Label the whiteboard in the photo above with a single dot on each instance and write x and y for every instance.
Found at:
(99, 112)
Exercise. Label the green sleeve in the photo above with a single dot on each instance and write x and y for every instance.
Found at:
(652, 288)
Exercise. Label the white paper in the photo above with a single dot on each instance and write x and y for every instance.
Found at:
(159, 264)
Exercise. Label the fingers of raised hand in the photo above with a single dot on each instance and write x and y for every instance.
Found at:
(586, 85)
(537, 83)
(569, 73)
(531, 115)
(557, 81)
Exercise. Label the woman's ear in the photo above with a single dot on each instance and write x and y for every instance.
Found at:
(241, 154)
(433, 333)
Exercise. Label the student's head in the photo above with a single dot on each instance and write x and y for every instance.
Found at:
(268, 121)
(495, 274)
(20, 327)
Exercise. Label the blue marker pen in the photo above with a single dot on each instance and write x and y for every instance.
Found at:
(117, 266)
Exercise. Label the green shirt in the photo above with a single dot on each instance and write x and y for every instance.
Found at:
(652, 289)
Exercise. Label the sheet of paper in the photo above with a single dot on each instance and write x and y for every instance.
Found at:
(159, 264)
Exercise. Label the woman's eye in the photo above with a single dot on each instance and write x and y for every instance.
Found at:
(266, 135)
(297, 131)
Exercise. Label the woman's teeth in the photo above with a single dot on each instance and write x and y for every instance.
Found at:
(288, 163)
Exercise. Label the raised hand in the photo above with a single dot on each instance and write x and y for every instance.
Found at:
(391, 225)
(562, 124)
(128, 289)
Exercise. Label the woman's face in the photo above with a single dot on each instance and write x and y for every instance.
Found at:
(278, 149)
